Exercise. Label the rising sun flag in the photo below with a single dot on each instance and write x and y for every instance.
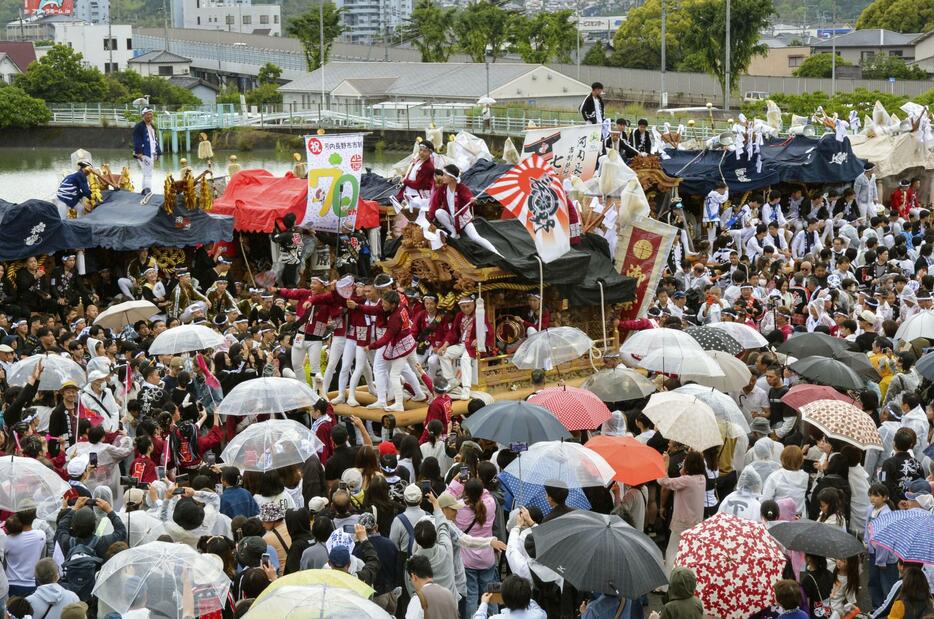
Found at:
(532, 193)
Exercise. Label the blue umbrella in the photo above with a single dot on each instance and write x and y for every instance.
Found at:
(527, 494)
(905, 533)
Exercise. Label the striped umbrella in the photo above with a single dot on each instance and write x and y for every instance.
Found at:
(715, 339)
(843, 422)
(736, 562)
(907, 533)
(575, 408)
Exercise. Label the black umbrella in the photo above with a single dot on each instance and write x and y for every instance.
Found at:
(600, 553)
(715, 339)
(859, 363)
(824, 371)
(515, 421)
(815, 344)
(925, 366)
(816, 538)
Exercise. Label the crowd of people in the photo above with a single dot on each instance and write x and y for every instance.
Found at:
(419, 512)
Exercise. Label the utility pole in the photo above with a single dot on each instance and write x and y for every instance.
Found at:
(577, 30)
(384, 16)
(321, 43)
(663, 102)
(833, 48)
(726, 62)
(165, 23)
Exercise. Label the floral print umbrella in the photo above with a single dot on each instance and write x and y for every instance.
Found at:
(843, 422)
(736, 562)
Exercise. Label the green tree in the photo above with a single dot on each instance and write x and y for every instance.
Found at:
(898, 15)
(61, 77)
(707, 35)
(542, 37)
(127, 86)
(596, 55)
(18, 109)
(264, 94)
(883, 66)
(431, 31)
(229, 94)
(269, 73)
(482, 30)
(819, 65)
(637, 42)
(306, 29)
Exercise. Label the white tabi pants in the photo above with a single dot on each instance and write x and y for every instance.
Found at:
(397, 371)
(361, 367)
(457, 352)
(311, 349)
(381, 376)
(335, 354)
(126, 287)
(145, 165)
(444, 218)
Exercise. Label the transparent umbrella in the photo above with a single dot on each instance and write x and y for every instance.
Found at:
(26, 483)
(919, 325)
(551, 347)
(56, 370)
(267, 395)
(314, 602)
(118, 316)
(271, 445)
(723, 406)
(619, 384)
(171, 580)
(185, 338)
(557, 463)
(748, 338)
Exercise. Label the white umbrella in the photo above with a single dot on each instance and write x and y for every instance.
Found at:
(314, 602)
(919, 325)
(641, 343)
(185, 338)
(560, 463)
(723, 406)
(56, 370)
(551, 347)
(486, 100)
(680, 361)
(748, 338)
(171, 580)
(118, 316)
(271, 445)
(26, 483)
(736, 374)
(268, 395)
(684, 419)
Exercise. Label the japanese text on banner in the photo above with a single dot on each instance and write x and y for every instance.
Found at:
(334, 166)
(571, 151)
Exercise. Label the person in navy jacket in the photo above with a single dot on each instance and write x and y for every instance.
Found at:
(146, 148)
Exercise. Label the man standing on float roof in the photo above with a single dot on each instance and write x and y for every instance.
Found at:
(146, 149)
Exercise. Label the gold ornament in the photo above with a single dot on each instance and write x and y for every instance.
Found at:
(642, 249)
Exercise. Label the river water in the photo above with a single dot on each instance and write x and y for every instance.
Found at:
(36, 172)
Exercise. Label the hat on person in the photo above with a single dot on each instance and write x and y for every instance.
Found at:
(97, 375)
(448, 500)
(271, 512)
(678, 295)
(904, 183)
(367, 521)
(918, 487)
(68, 384)
(894, 411)
(412, 494)
(5, 348)
(250, 550)
(316, 504)
(470, 446)
(760, 425)
(188, 514)
(77, 466)
(389, 463)
(387, 448)
(339, 556)
(867, 316)
(442, 385)
(134, 496)
(354, 480)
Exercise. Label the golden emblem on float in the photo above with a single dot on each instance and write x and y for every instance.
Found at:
(642, 249)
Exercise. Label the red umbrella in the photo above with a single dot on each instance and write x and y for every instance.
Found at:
(633, 462)
(799, 395)
(576, 409)
(736, 562)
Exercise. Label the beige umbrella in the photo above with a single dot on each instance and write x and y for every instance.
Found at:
(118, 316)
(684, 419)
(843, 422)
(736, 374)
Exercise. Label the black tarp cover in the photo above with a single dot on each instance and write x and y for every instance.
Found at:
(576, 272)
(799, 159)
(34, 227)
(481, 175)
(121, 223)
(375, 187)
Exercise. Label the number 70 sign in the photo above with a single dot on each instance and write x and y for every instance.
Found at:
(335, 163)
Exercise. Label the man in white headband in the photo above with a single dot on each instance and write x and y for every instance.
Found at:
(146, 149)
(449, 207)
(315, 307)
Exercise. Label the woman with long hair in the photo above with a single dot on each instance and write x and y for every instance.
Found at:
(836, 476)
(914, 598)
(298, 524)
(378, 502)
(845, 586)
(410, 455)
(434, 446)
(271, 489)
(817, 583)
(476, 519)
(367, 462)
(430, 471)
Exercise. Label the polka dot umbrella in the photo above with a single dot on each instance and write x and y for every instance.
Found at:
(843, 422)
(575, 408)
(715, 339)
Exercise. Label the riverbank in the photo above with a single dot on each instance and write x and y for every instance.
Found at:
(237, 139)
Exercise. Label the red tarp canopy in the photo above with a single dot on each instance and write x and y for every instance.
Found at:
(256, 199)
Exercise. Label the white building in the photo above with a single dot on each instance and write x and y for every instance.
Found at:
(365, 21)
(107, 47)
(161, 63)
(240, 16)
(93, 11)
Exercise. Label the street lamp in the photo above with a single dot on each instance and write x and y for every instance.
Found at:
(726, 61)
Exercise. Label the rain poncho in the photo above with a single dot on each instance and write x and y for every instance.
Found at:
(615, 425)
(744, 502)
(763, 460)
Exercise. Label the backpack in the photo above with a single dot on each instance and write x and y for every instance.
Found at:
(186, 445)
(80, 568)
